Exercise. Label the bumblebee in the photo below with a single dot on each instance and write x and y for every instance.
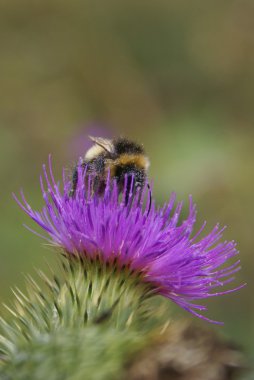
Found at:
(120, 157)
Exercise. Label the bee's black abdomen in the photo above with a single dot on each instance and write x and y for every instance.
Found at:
(123, 145)
(131, 177)
(130, 171)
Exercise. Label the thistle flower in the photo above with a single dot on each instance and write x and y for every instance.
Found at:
(162, 251)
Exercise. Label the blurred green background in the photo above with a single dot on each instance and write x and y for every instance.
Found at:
(175, 75)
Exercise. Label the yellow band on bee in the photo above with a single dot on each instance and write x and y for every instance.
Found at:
(139, 160)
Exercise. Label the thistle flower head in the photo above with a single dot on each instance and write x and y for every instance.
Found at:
(155, 245)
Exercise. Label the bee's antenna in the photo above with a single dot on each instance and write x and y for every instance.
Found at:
(150, 198)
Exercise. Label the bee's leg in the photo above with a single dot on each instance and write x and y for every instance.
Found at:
(137, 193)
(96, 185)
(74, 182)
(128, 190)
(150, 198)
(131, 193)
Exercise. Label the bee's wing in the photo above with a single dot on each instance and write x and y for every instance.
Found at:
(106, 144)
